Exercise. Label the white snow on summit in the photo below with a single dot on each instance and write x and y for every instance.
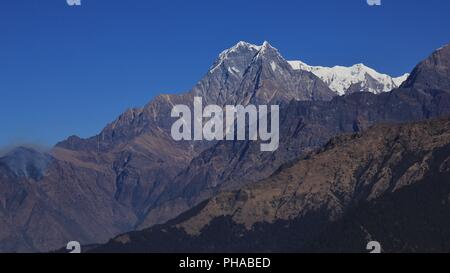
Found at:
(341, 78)
(399, 80)
(224, 55)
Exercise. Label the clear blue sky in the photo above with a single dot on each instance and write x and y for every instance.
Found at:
(70, 70)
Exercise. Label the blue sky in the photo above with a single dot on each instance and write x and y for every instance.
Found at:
(70, 70)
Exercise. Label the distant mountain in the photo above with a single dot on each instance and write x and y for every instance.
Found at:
(247, 73)
(389, 183)
(134, 175)
(305, 126)
(357, 78)
(98, 187)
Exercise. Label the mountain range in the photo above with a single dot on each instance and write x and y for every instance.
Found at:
(133, 176)
(357, 78)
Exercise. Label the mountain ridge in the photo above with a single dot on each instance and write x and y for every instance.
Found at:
(118, 178)
(117, 175)
(298, 203)
(356, 78)
(303, 126)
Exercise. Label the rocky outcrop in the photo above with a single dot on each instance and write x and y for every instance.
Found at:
(433, 72)
(300, 207)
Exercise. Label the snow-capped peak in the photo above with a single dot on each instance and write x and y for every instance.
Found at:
(239, 47)
(265, 46)
(243, 47)
(340, 79)
(356, 78)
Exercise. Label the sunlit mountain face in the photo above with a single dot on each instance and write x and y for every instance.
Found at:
(134, 175)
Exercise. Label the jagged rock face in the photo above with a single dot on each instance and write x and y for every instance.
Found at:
(98, 187)
(299, 207)
(305, 126)
(259, 75)
(350, 169)
(434, 72)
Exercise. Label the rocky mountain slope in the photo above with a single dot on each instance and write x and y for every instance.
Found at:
(434, 72)
(133, 174)
(305, 126)
(95, 188)
(359, 186)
